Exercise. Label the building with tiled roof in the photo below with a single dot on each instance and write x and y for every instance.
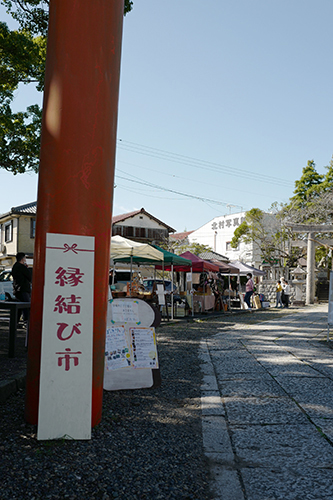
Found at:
(17, 230)
(141, 226)
(181, 236)
(211, 255)
(17, 233)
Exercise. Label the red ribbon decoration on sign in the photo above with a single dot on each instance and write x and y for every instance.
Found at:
(68, 248)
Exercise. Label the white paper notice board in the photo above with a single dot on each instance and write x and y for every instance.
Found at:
(67, 338)
(130, 348)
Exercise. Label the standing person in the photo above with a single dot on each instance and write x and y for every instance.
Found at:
(283, 282)
(278, 294)
(22, 281)
(286, 290)
(249, 290)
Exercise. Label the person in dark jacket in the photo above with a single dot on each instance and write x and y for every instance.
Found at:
(22, 281)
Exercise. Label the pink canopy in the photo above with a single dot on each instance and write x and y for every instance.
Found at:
(198, 265)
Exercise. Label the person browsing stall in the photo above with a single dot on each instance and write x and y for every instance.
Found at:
(249, 290)
(278, 294)
(286, 289)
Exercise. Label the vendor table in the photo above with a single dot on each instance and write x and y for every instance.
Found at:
(207, 302)
(14, 308)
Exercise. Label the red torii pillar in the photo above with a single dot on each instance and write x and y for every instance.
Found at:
(76, 176)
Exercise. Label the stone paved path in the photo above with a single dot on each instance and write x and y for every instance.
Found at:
(267, 403)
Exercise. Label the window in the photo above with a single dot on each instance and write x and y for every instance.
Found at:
(128, 231)
(157, 234)
(32, 228)
(6, 276)
(116, 230)
(140, 232)
(229, 248)
(9, 232)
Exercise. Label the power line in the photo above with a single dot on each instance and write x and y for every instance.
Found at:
(187, 195)
(147, 195)
(200, 164)
(174, 176)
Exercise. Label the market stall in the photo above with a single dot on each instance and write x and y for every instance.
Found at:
(230, 294)
(124, 250)
(203, 296)
(245, 269)
(172, 260)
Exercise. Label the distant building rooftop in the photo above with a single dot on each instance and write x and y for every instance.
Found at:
(211, 255)
(121, 218)
(28, 208)
(180, 236)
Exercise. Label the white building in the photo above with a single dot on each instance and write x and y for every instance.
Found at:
(218, 234)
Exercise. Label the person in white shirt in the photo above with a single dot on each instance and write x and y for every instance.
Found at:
(286, 289)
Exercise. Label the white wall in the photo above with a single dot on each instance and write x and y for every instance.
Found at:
(11, 246)
(218, 232)
(140, 220)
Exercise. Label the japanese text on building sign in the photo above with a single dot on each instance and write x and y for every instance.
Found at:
(227, 223)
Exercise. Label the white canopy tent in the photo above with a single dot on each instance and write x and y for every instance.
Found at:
(244, 269)
(125, 250)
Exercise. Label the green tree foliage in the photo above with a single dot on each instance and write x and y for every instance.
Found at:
(312, 203)
(327, 184)
(22, 61)
(197, 248)
(19, 139)
(313, 197)
(308, 185)
(179, 247)
(268, 235)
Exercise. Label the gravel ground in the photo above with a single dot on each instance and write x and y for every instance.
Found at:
(9, 368)
(148, 445)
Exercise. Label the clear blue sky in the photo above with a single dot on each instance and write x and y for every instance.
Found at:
(222, 100)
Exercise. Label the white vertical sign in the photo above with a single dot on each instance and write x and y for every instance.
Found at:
(67, 338)
(330, 301)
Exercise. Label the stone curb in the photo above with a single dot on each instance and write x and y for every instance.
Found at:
(9, 387)
(224, 480)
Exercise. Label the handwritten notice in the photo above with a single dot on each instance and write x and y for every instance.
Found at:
(65, 389)
(143, 346)
(118, 375)
(124, 311)
(117, 351)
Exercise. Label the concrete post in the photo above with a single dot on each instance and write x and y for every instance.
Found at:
(310, 278)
